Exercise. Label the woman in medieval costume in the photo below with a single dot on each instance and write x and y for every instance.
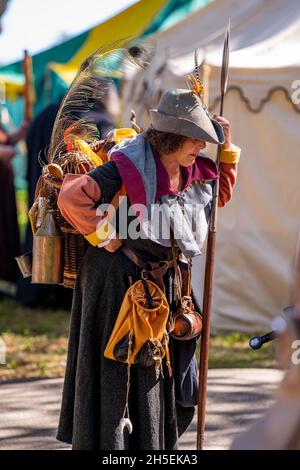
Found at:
(163, 165)
(9, 230)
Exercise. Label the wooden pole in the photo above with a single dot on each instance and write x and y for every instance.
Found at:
(28, 87)
(209, 270)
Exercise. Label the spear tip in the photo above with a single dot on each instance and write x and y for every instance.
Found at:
(225, 61)
(229, 25)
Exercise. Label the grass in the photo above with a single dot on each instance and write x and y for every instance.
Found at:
(35, 341)
(36, 344)
(232, 350)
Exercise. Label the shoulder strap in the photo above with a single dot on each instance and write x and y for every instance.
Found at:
(176, 268)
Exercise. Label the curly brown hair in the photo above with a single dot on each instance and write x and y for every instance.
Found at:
(164, 142)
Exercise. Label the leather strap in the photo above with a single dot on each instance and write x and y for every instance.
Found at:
(161, 265)
(132, 256)
(176, 268)
(188, 287)
(156, 271)
(189, 283)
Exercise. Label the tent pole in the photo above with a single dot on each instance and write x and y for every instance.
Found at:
(28, 87)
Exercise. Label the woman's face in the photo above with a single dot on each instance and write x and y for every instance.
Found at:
(188, 152)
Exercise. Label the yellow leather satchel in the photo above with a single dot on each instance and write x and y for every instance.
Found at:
(139, 335)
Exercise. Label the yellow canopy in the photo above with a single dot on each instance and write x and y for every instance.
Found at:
(129, 23)
(12, 83)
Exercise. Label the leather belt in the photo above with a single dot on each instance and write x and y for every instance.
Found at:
(153, 269)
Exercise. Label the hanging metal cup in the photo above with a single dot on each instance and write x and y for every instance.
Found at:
(25, 264)
(47, 262)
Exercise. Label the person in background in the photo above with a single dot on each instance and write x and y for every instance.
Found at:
(279, 427)
(9, 231)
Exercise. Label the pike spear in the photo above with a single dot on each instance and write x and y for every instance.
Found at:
(209, 268)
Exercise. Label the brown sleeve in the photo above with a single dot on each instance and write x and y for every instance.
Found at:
(228, 173)
(76, 201)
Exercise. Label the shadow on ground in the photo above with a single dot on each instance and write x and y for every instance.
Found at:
(30, 409)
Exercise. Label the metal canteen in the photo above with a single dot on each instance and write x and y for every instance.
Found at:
(48, 244)
(187, 322)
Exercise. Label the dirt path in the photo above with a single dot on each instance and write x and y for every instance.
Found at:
(29, 409)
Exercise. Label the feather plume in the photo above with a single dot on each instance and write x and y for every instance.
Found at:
(91, 85)
(194, 80)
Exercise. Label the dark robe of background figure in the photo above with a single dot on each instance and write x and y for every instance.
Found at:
(9, 230)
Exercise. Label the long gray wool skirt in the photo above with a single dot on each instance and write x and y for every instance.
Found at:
(94, 392)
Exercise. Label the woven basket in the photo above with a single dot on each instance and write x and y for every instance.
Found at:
(75, 244)
(74, 251)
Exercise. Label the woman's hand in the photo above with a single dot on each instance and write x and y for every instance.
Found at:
(226, 129)
(114, 244)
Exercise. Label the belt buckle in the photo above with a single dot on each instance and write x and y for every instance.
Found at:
(144, 274)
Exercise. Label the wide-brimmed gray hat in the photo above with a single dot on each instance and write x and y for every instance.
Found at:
(181, 112)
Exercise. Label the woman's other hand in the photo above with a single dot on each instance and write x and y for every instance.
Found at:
(226, 129)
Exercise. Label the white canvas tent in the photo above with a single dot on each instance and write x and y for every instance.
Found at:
(258, 229)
